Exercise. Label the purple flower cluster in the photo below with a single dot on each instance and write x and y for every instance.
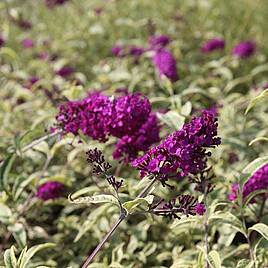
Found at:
(158, 41)
(184, 151)
(50, 190)
(258, 181)
(27, 43)
(212, 45)
(53, 3)
(165, 63)
(129, 146)
(65, 71)
(244, 49)
(98, 116)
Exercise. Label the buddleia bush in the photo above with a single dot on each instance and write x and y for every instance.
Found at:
(133, 134)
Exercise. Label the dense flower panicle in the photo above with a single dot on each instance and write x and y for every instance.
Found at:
(53, 3)
(182, 205)
(89, 115)
(128, 147)
(244, 49)
(65, 71)
(128, 114)
(258, 181)
(98, 116)
(212, 45)
(158, 41)
(166, 64)
(50, 190)
(27, 43)
(184, 151)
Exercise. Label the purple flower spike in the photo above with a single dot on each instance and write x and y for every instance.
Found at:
(212, 45)
(158, 41)
(128, 147)
(50, 190)
(244, 49)
(184, 151)
(27, 43)
(258, 181)
(128, 114)
(165, 63)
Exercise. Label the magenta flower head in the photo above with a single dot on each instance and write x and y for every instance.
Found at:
(258, 181)
(184, 151)
(128, 147)
(91, 116)
(50, 190)
(53, 3)
(244, 49)
(212, 45)
(136, 51)
(65, 71)
(27, 43)
(200, 208)
(158, 41)
(2, 41)
(117, 51)
(128, 115)
(165, 63)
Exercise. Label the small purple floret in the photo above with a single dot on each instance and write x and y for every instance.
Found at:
(244, 49)
(50, 190)
(212, 45)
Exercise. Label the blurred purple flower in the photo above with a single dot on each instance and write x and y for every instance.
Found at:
(23, 24)
(212, 45)
(136, 51)
(27, 43)
(166, 64)
(2, 41)
(53, 3)
(258, 181)
(30, 82)
(244, 49)
(65, 71)
(117, 51)
(158, 41)
(50, 190)
(184, 151)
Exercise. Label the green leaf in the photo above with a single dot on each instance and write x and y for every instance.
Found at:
(5, 213)
(20, 185)
(186, 108)
(228, 218)
(130, 206)
(31, 252)
(244, 264)
(258, 139)
(96, 199)
(254, 165)
(252, 195)
(172, 119)
(5, 169)
(10, 258)
(261, 228)
(214, 259)
(260, 98)
(19, 234)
